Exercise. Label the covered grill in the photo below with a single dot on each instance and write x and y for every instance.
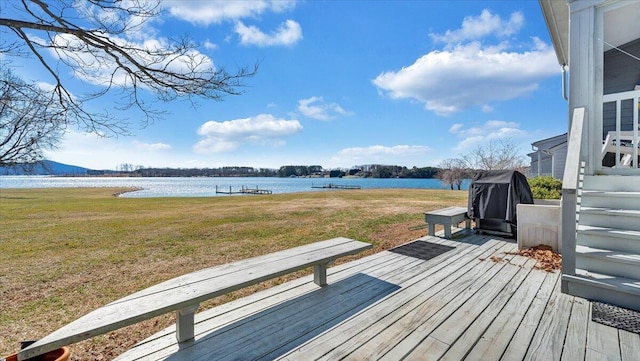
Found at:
(493, 197)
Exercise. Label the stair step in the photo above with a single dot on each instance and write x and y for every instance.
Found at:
(595, 193)
(611, 211)
(609, 238)
(610, 199)
(628, 219)
(612, 182)
(620, 291)
(607, 261)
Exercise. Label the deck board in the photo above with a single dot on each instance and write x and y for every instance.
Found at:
(461, 305)
(574, 344)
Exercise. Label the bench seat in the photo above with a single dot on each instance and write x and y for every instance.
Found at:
(447, 217)
(183, 294)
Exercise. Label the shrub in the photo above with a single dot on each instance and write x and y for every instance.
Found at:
(545, 187)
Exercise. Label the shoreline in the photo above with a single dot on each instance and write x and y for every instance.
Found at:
(128, 190)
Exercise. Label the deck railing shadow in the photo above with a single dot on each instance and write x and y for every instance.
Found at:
(276, 330)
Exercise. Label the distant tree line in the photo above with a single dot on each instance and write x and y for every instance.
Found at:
(366, 171)
(394, 171)
(300, 170)
(202, 172)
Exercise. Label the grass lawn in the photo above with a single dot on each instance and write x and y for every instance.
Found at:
(65, 252)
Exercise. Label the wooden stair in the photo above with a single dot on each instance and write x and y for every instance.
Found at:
(608, 242)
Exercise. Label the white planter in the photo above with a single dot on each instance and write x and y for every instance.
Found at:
(540, 223)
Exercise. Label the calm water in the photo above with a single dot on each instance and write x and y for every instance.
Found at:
(206, 187)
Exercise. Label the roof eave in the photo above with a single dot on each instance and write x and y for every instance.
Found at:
(556, 16)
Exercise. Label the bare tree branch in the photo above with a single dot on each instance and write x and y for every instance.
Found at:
(495, 155)
(92, 38)
(29, 122)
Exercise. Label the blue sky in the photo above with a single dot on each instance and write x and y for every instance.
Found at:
(343, 83)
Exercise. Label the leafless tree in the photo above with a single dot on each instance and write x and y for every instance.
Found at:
(29, 122)
(495, 155)
(100, 41)
(453, 172)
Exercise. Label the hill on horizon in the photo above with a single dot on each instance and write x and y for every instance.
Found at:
(44, 167)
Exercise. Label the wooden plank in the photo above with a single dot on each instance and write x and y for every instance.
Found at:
(519, 343)
(238, 317)
(418, 271)
(462, 329)
(303, 256)
(376, 320)
(548, 340)
(206, 321)
(602, 343)
(574, 344)
(191, 289)
(495, 339)
(515, 295)
(354, 329)
(491, 299)
(262, 332)
(410, 333)
(629, 345)
(447, 212)
(427, 303)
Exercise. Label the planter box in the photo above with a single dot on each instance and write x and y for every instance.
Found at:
(540, 223)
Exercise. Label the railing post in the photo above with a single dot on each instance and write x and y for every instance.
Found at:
(569, 194)
(320, 274)
(185, 323)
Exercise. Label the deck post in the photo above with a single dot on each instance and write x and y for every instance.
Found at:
(320, 274)
(570, 185)
(185, 323)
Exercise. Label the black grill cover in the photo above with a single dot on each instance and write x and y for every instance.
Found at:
(495, 193)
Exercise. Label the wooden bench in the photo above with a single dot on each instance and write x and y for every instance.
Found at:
(447, 217)
(184, 294)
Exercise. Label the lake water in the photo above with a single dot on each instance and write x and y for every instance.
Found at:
(206, 187)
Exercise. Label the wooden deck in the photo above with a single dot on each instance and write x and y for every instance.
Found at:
(461, 305)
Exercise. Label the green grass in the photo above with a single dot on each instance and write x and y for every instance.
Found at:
(65, 252)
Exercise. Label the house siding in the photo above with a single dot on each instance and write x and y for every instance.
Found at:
(560, 156)
(621, 73)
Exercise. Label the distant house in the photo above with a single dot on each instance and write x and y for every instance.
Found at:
(549, 156)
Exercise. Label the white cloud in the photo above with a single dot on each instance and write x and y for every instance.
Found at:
(94, 66)
(226, 136)
(472, 74)
(398, 154)
(94, 152)
(487, 108)
(468, 75)
(152, 147)
(477, 27)
(209, 45)
(316, 108)
(288, 34)
(215, 12)
(471, 137)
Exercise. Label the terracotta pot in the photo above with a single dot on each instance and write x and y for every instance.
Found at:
(61, 354)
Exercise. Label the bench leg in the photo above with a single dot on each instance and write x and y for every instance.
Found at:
(432, 229)
(320, 274)
(185, 323)
(447, 231)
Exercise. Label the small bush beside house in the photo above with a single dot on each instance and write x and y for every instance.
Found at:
(545, 187)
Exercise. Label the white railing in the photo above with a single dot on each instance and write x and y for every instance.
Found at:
(623, 143)
(570, 185)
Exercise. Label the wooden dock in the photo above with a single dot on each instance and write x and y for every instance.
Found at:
(244, 190)
(474, 302)
(337, 186)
